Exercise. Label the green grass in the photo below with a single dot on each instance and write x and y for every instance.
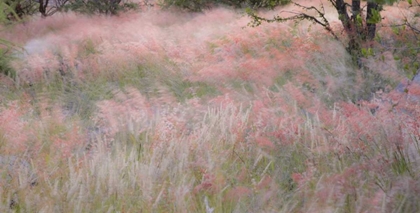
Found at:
(5, 67)
(281, 80)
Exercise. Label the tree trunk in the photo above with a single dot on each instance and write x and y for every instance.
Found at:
(43, 4)
(371, 25)
(355, 7)
(354, 25)
(357, 23)
(341, 8)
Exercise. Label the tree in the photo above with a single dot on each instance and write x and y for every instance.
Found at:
(49, 7)
(16, 9)
(358, 26)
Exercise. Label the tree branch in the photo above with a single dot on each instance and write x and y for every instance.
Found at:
(319, 19)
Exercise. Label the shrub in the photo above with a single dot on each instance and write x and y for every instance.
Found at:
(260, 3)
(12, 10)
(190, 5)
(111, 7)
(5, 67)
(199, 5)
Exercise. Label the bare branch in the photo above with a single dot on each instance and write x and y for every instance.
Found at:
(319, 18)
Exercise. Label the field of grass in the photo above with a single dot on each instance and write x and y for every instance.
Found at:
(163, 111)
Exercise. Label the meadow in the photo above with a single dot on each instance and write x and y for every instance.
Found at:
(170, 111)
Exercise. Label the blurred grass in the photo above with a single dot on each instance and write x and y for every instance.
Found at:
(146, 167)
(140, 173)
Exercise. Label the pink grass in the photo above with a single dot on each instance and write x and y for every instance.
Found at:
(195, 136)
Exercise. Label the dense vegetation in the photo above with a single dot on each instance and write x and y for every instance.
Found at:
(199, 5)
(143, 106)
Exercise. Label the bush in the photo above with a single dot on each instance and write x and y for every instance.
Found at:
(199, 5)
(12, 10)
(111, 7)
(5, 68)
(190, 5)
(258, 3)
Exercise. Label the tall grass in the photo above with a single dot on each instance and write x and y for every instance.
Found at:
(145, 119)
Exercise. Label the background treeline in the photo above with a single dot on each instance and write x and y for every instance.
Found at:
(199, 5)
(11, 10)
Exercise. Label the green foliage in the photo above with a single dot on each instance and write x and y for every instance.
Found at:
(5, 67)
(5, 9)
(111, 7)
(258, 3)
(6, 47)
(199, 5)
(406, 47)
(366, 52)
(194, 5)
(376, 17)
(15, 10)
(389, 2)
(359, 20)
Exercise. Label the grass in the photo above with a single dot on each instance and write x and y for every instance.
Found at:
(140, 172)
(281, 80)
(143, 173)
(153, 135)
(5, 67)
